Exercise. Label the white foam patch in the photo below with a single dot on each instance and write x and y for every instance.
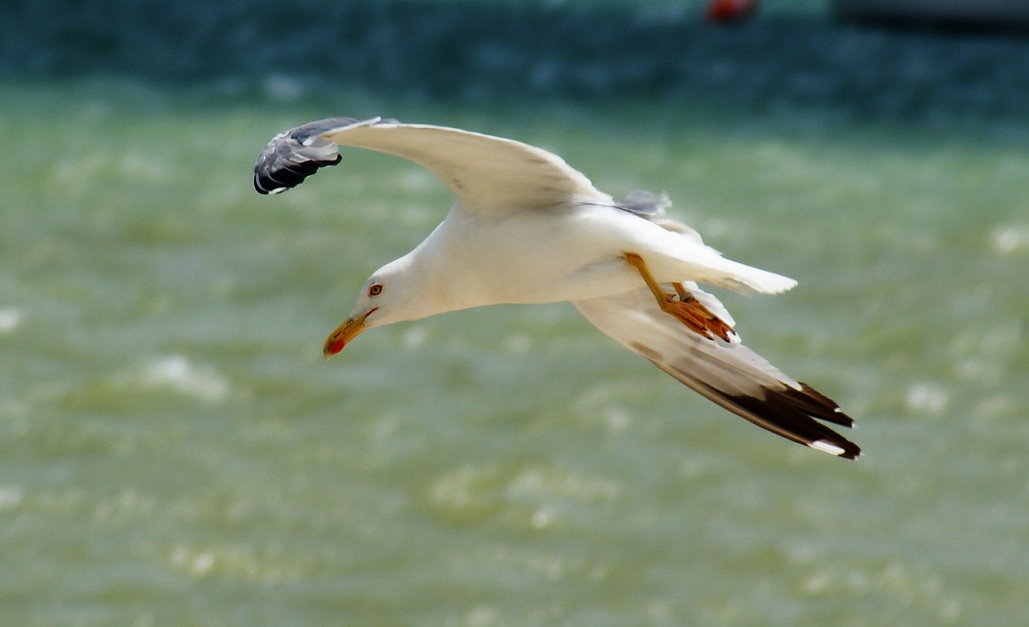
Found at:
(10, 496)
(417, 180)
(414, 337)
(1008, 240)
(10, 318)
(927, 398)
(177, 373)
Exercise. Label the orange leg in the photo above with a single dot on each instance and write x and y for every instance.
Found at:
(687, 309)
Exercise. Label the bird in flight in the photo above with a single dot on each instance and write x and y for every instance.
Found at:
(526, 227)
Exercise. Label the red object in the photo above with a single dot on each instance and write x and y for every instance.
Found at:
(725, 11)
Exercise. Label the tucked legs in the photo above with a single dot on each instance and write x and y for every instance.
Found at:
(682, 305)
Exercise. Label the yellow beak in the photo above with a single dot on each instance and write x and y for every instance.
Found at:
(344, 333)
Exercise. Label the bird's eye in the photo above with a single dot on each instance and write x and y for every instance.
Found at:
(375, 289)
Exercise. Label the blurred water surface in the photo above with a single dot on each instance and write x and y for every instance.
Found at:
(174, 449)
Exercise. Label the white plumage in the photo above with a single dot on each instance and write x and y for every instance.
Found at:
(526, 227)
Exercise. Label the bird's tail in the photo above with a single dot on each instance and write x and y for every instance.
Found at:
(742, 277)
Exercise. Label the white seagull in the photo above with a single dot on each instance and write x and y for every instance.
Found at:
(526, 227)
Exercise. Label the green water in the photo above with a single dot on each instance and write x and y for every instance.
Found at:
(174, 450)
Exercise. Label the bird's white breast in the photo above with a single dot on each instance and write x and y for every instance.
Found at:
(568, 253)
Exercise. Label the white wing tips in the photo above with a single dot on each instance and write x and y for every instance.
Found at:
(830, 448)
(293, 155)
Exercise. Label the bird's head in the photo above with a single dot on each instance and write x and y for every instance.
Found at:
(392, 294)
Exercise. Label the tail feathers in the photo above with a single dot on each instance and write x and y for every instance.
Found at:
(740, 277)
(762, 281)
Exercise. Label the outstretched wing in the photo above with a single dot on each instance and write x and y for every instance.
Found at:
(727, 373)
(485, 173)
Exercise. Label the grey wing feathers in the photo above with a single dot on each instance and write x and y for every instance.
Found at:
(651, 206)
(484, 173)
(727, 373)
(645, 204)
(293, 155)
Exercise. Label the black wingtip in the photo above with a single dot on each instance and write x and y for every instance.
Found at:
(296, 154)
(278, 172)
(821, 406)
(794, 414)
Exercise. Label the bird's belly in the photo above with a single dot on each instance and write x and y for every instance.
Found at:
(550, 258)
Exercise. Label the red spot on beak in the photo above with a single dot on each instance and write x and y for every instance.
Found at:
(344, 333)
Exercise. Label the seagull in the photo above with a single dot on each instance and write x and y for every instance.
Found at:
(525, 227)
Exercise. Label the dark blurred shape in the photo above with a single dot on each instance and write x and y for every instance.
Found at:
(729, 11)
(975, 13)
(473, 51)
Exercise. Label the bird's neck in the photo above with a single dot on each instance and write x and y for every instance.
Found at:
(442, 275)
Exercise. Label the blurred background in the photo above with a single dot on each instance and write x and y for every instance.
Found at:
(175, 451)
